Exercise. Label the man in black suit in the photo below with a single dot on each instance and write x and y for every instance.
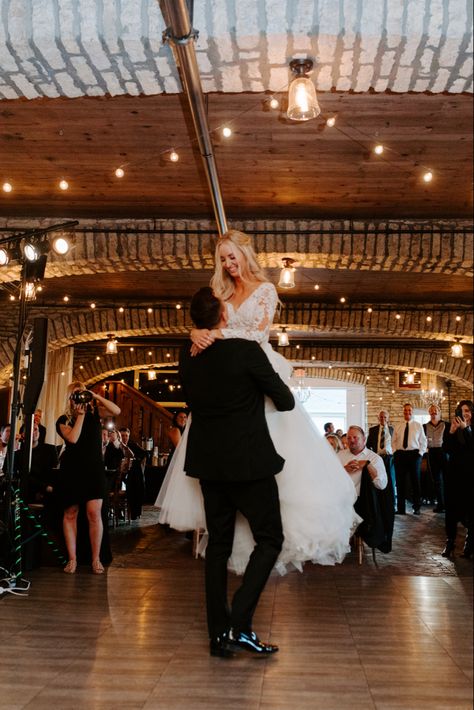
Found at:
(380, 441)
(230, 451)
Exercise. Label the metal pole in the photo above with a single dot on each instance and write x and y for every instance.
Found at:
(181, 35)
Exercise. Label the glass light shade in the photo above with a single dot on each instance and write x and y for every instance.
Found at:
(283, 339)
(152, 374)
(410, 378)
(111, 347)
(456, 350)
(287, 277)
(30, 291)
(30, 252)
(302, 102)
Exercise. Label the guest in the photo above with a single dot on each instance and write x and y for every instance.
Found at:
(82, 477)
(329, 428)
(459, 481)
(437, 458)
(135, 479)
(343, 440)
(178, 425)
(380, 441)
(358, 456)
(334, 441)
(113, 454)
(409, 444)
(339, 432)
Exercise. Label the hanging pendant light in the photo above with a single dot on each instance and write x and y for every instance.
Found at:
(152, 374)
(457, 350)
(111, 346)
(302, 101)
(410, 378)
(287, 274)
(283, 339)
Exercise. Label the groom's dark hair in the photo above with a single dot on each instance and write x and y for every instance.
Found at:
(206, 309)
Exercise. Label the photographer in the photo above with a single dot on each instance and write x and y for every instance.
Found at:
(459, 483)
(82, 476)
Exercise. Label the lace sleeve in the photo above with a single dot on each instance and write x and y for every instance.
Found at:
(254, 318)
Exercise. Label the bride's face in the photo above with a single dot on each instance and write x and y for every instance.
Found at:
(232, 260)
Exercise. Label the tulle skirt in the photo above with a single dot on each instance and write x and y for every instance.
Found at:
(316, 494)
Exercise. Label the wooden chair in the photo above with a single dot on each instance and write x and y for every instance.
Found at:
(118, 504)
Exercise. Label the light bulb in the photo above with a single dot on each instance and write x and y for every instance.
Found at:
(61, 245)
(66, 299)
(331, 121)
(274, 103)
(429, 319)
(63, 185)
(120, 172)
(428, 176)
(378, 150)
(316, 287)
(93, 306)
(458, 318)
(4, 257)
(178, 306)
(369, 310)
(174, 157)
(7, 187)
(149, 310)
(398, 316)
(226, 132)
(121, 309)
(342, 299)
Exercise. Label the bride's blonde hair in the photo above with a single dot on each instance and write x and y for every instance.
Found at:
(222, 283)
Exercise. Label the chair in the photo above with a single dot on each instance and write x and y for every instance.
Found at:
(119, 510)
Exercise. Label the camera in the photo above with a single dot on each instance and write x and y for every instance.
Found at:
(82, 396)
(458, 413)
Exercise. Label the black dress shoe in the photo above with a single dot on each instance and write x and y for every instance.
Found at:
(449, 549)
(250, 642)
(220, 646)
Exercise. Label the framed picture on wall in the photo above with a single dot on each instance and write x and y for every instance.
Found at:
(409, 381)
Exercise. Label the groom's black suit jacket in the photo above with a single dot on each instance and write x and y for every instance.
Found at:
(224, 387)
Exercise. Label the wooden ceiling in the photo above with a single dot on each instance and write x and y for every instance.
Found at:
(268, 168)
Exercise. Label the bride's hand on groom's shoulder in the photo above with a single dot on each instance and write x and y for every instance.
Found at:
(202, 338)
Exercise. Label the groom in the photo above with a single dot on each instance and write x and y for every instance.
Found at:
(230, 451)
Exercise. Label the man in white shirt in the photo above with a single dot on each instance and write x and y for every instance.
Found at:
(409, 444)
(357, 456)
(379, 439)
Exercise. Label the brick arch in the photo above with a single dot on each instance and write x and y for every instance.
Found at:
(147, 245)
(79, 325)
(387, 358)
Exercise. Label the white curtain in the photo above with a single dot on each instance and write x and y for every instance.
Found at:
(52, 400)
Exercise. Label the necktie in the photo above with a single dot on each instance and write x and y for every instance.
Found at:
(405, 437)
(382, 438)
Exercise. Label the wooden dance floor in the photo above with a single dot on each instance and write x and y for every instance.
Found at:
(399, 636)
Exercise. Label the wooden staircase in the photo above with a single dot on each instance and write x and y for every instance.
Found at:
(144, 417)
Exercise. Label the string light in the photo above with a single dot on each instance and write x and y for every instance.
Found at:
(274, 103)
(119, 173)
(428, 176)
(429, 319)
(316, 287)
(121, 309)
(63, 185)
(342, 299)
(458, 318)
(331, 121)
(397, 316)
(178, 306)
(149, 310)
(369, 310)
(66, 299)
(7, 187)
(378, 150)
(226, 132)
(93, 305)
(174, 157)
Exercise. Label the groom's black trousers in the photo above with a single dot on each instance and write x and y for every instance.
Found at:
(259, 503)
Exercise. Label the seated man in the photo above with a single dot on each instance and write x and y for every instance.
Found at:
(357, 456)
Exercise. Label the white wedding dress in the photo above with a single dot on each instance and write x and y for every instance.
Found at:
(316, 494)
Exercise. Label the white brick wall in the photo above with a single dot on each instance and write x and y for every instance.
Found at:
(82, 47)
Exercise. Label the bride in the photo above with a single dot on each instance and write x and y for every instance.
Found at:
(316, 494)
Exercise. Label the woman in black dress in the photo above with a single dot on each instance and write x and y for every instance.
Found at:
(82, 475)
(459, 482)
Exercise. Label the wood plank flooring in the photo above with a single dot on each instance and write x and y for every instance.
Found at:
(396, 636)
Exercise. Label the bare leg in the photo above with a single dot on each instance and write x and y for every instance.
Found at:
(94, 517)
(70, 535)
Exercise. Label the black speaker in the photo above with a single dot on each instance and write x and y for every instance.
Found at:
(38, 357)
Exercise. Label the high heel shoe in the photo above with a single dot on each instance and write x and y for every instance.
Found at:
(71, 567)
(449, 549)
(97, 567)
